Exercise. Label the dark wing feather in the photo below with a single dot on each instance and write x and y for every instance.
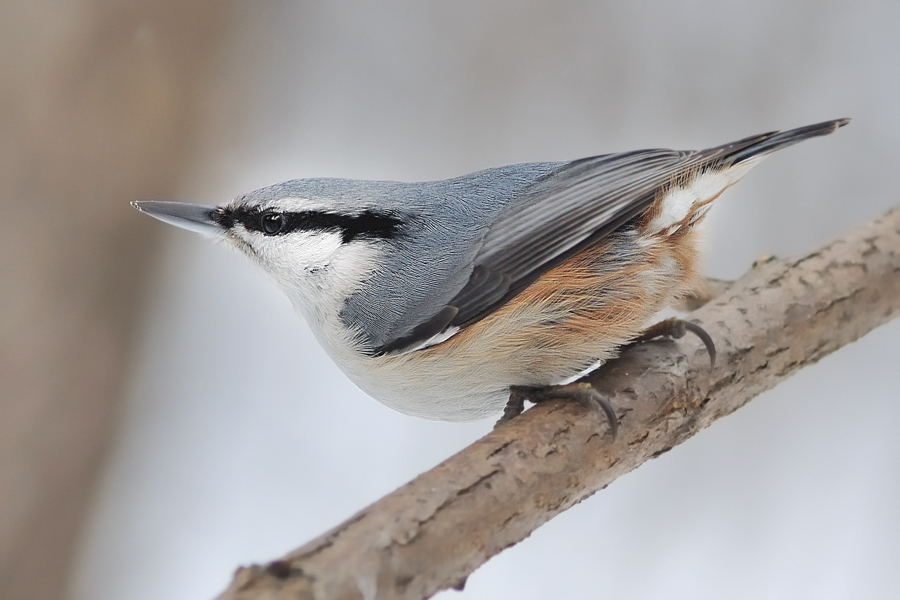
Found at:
(572, 208)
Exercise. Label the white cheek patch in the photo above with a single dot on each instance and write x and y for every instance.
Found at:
(318, 272)
(301, 251)
(692, 199)
(316, 269)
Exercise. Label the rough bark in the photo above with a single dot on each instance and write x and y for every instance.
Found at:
(96, 106)
(433, 532)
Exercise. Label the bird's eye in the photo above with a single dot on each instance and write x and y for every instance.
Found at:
(271, 223)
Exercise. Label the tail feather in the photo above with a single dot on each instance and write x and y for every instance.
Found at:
(776, 140)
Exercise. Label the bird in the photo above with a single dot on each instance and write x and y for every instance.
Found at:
(451, 299)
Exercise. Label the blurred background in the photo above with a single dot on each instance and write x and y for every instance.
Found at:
(165, 417)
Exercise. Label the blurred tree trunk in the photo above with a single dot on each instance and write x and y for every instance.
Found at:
(97, 101)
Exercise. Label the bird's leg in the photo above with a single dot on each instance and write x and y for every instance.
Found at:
(516, 403)
(676, 328)
(581, 392)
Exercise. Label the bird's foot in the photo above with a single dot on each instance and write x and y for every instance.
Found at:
(676, 328)
(581, 392)
(584, 393)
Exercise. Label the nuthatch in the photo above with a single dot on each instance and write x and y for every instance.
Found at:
(437, 298)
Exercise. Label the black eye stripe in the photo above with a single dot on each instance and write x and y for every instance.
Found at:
(367, 224)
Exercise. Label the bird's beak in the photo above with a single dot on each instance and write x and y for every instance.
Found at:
(193, 217)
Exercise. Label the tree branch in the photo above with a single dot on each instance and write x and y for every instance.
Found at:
(433, 532)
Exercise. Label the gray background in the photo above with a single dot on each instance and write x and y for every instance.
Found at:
(240, 440)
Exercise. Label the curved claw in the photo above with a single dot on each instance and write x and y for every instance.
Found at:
(705, 338)
(609, 412)
(676, 328)
(585, 394)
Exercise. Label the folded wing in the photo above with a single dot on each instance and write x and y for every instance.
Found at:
(571, 208)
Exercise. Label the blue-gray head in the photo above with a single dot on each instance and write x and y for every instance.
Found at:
(320, 240)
